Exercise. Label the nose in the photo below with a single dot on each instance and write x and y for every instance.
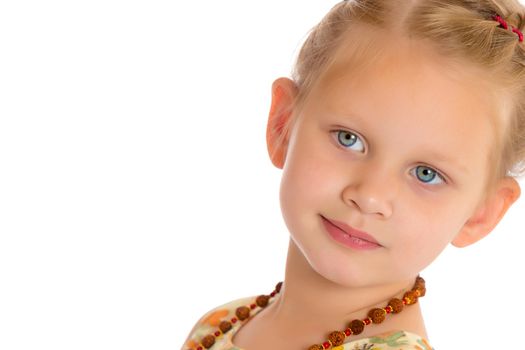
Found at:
(372, 192)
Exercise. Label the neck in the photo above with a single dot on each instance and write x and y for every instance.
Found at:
(310, 302)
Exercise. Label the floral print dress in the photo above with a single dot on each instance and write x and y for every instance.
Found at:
(209, 324)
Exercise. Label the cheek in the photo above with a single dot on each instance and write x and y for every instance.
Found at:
(308, 188)
(307, 177)
(425, 238)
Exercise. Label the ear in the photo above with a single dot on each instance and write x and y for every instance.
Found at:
(489, 212)
(284, 93)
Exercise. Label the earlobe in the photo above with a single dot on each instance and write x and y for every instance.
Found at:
(488, 215)
(284, 93)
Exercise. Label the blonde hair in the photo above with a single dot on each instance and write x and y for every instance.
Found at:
(462, 31)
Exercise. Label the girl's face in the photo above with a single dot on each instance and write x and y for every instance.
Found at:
(398, 151)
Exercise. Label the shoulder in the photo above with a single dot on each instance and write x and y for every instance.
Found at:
(393, 340)
(209, 322)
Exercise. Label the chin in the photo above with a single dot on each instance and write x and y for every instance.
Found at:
(334, 265)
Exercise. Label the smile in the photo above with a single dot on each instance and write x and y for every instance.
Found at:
(349, 237)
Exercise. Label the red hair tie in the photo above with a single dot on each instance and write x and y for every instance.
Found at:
(505, 26)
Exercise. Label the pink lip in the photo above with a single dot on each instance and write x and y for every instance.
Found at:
(352, 231)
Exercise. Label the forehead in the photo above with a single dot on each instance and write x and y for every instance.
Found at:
(420, 87)
(364, 50)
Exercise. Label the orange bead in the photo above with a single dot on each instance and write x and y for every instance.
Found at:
(208, 341)
(410, 297)
(336, 338)
(396, 305)
(377, 315)
(316, 347)
(262, 300)
(242, 312)
(357, 326)
(225, 326)
(420, 282)
(422, 291)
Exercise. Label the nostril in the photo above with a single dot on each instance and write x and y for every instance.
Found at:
(352, 202)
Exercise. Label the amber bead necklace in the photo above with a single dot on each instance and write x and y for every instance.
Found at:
(335, 338)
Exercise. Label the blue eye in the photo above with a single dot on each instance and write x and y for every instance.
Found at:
(426, 174)
(348, 139)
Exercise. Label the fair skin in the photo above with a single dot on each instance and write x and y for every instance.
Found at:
(398, 123)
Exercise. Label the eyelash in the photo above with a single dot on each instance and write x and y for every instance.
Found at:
(437, 173)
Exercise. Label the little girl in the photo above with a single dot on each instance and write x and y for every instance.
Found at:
(402, 130)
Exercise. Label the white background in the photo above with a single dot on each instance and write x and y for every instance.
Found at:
(135, 188)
